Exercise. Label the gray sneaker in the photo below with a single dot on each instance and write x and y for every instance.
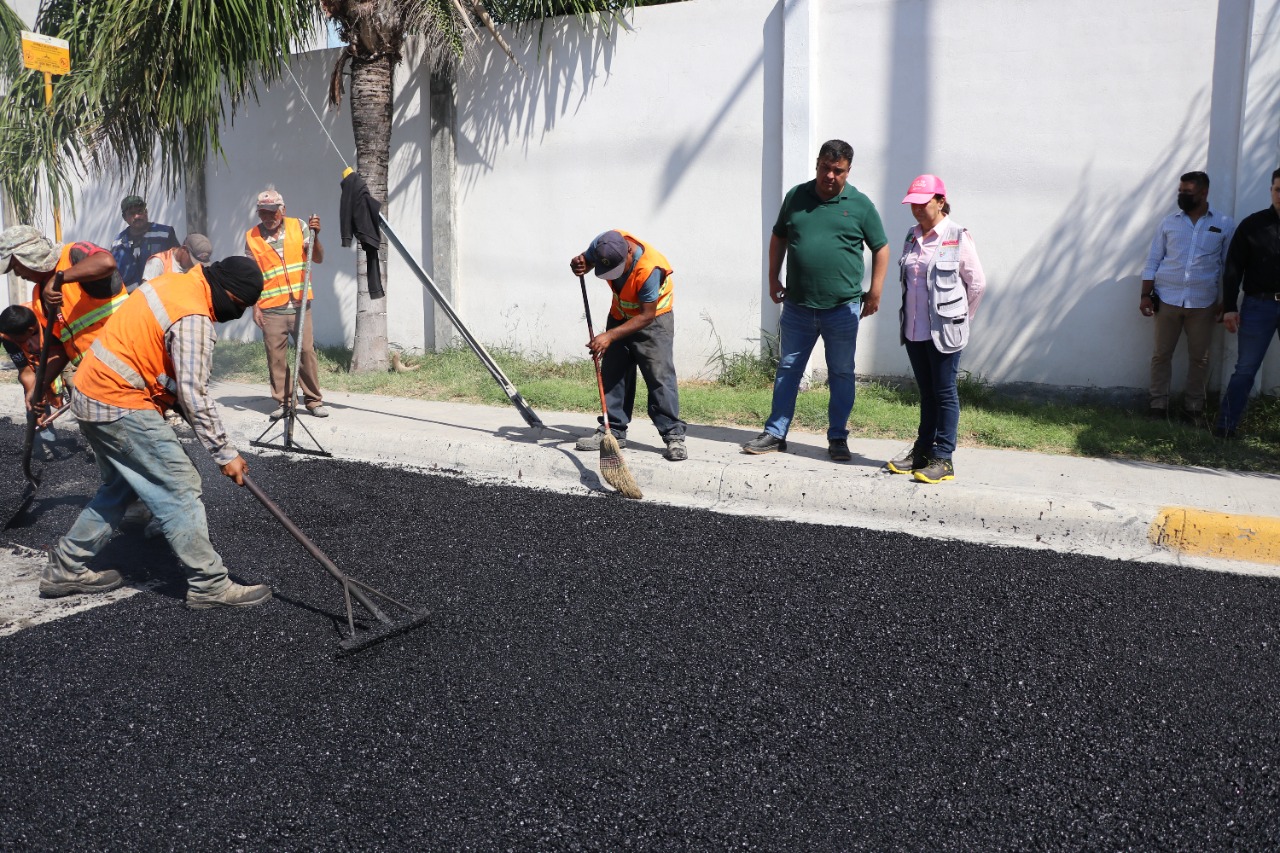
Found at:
(57, 582)
(592, 442)
(676, 451)
(907, 462)
(232, 595)
(765, 442)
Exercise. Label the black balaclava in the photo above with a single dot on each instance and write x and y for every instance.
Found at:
(237, 275)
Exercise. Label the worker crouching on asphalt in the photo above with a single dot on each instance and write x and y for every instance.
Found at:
(157, 352)
(639, 334)
(20, 337)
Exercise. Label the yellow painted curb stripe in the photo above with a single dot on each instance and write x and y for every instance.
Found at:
(1252, 538)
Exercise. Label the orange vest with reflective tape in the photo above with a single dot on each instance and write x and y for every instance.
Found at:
(281, 280)
(166, 258)
(81, 317)
(128, 365)
(626, 300)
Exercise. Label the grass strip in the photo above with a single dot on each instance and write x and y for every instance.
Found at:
(741, 393)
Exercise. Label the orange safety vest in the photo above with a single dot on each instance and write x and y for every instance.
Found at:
(128, 365)
(281, 280)
(626, 299)
(166, 258)
(81, 317)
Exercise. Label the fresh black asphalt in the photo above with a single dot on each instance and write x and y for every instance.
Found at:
(601, 674)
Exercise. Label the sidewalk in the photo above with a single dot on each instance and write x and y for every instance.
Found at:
(1124, 510)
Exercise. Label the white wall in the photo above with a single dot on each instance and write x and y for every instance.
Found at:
(1060, 129)
(661, 131)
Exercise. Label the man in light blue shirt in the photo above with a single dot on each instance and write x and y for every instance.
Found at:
(1180, 289)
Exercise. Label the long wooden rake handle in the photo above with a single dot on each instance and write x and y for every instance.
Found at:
(586, 307)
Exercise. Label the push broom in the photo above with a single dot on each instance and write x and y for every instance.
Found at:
(612, 466)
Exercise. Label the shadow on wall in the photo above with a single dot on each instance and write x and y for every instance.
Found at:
(1260, 142)
(1056, 289)
(282, 145)
(563, 56)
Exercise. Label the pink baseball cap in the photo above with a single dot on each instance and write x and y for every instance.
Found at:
(924, 188)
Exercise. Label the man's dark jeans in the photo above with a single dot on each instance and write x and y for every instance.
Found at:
(651, 351)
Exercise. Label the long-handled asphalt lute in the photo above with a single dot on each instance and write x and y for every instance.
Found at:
(290, 419)
(612, 466)
(526, 411)
(356, 638)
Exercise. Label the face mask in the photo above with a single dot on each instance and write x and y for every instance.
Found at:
(224, 310)
(1186, 202)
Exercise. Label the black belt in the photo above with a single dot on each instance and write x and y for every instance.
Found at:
(1270, 297)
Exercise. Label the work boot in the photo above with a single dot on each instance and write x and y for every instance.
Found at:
(907, 462)
(838, 450)
(676, 451)
(318, 411)
(278, 413)
(592, 442)
(935, 472)
(765, 442)
(232, 595)
(56, 581)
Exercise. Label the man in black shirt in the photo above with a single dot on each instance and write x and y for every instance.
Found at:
(1254, 257)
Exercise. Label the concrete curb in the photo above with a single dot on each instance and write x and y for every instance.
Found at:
(1087, 506)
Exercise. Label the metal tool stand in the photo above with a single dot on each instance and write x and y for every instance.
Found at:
(526, 412)
(290, 419)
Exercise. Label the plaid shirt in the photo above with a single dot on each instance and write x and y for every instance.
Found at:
(189, 343)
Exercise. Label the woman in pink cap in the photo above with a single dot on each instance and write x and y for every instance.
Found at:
(942, 283)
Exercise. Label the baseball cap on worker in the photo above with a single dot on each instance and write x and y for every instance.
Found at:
(131, 201)
(924, 188)
(610, 250)
(32, 249)
(269, 199)
(199, 247)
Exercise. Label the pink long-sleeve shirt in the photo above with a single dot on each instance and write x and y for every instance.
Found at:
(917, 258)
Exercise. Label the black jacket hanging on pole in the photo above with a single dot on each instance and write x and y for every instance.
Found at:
(358, 217)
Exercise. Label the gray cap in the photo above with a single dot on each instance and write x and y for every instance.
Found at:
(200, 248)
(32, 249)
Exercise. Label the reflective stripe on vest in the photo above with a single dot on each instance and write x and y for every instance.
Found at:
(625, 305)
(124, 371)
(281, 279)
(129, 365)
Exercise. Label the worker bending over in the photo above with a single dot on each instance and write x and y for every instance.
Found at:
(157, 352)
(77, 281)
(639, 335)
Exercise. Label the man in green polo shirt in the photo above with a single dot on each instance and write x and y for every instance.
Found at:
(821, 231)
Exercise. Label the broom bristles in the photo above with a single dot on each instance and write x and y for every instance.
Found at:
(614, 469)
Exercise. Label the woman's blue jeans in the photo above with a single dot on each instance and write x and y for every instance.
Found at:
(939, 398)
(799, 331)
(1259, 322)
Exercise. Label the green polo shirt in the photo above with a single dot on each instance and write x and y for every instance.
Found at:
(824, 244)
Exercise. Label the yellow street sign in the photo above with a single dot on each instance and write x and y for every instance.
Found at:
(45, 53)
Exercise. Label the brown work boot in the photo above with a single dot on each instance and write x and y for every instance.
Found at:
(232, 595)
(56, 581)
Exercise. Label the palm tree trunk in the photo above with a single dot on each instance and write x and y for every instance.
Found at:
(371, 101)
(196, 197)
(444, 170)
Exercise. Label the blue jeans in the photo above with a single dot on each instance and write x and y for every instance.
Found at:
(939, 398)
(140, 457)
(799, 331)
(1259, 322)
